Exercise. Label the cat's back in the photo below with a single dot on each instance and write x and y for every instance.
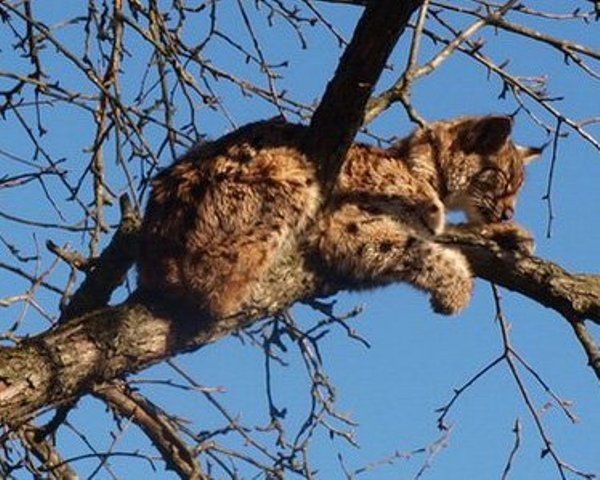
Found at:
(266, 151)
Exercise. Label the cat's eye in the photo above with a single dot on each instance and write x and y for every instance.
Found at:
(492, 178)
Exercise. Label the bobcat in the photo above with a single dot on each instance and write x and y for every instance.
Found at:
(223, 214)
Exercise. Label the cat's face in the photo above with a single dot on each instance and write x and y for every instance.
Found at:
(492, 166)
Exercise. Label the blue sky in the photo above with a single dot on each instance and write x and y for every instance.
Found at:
(416, 358)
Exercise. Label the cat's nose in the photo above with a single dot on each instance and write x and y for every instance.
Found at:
(507, 214)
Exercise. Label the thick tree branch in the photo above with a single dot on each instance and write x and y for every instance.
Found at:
(341, 111)
(66, 362)
(575, 296)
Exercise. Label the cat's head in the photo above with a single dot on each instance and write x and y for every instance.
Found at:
(484, 168)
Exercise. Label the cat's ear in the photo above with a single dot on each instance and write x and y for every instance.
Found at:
(486, 135)
(529, 153)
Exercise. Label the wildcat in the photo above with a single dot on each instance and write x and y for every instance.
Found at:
(225, 212)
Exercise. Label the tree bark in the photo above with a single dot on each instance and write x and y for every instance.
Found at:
(62, 364)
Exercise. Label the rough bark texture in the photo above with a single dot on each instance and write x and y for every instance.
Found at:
(59, 365)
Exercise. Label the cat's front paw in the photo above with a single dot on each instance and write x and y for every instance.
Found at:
(510, 236)
(451, 303)
(452, 291)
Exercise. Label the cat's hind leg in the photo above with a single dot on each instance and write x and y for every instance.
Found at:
(220, 278)
(243, 230)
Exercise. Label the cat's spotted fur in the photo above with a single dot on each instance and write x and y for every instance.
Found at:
(221, 216)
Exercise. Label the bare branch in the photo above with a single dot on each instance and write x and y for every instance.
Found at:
(52, 462)
(161, 432)
(109, 270)
(400, 91)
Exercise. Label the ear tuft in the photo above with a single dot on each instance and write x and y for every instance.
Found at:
(529, 153)
(487, 135)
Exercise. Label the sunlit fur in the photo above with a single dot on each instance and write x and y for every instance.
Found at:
(220, 217)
